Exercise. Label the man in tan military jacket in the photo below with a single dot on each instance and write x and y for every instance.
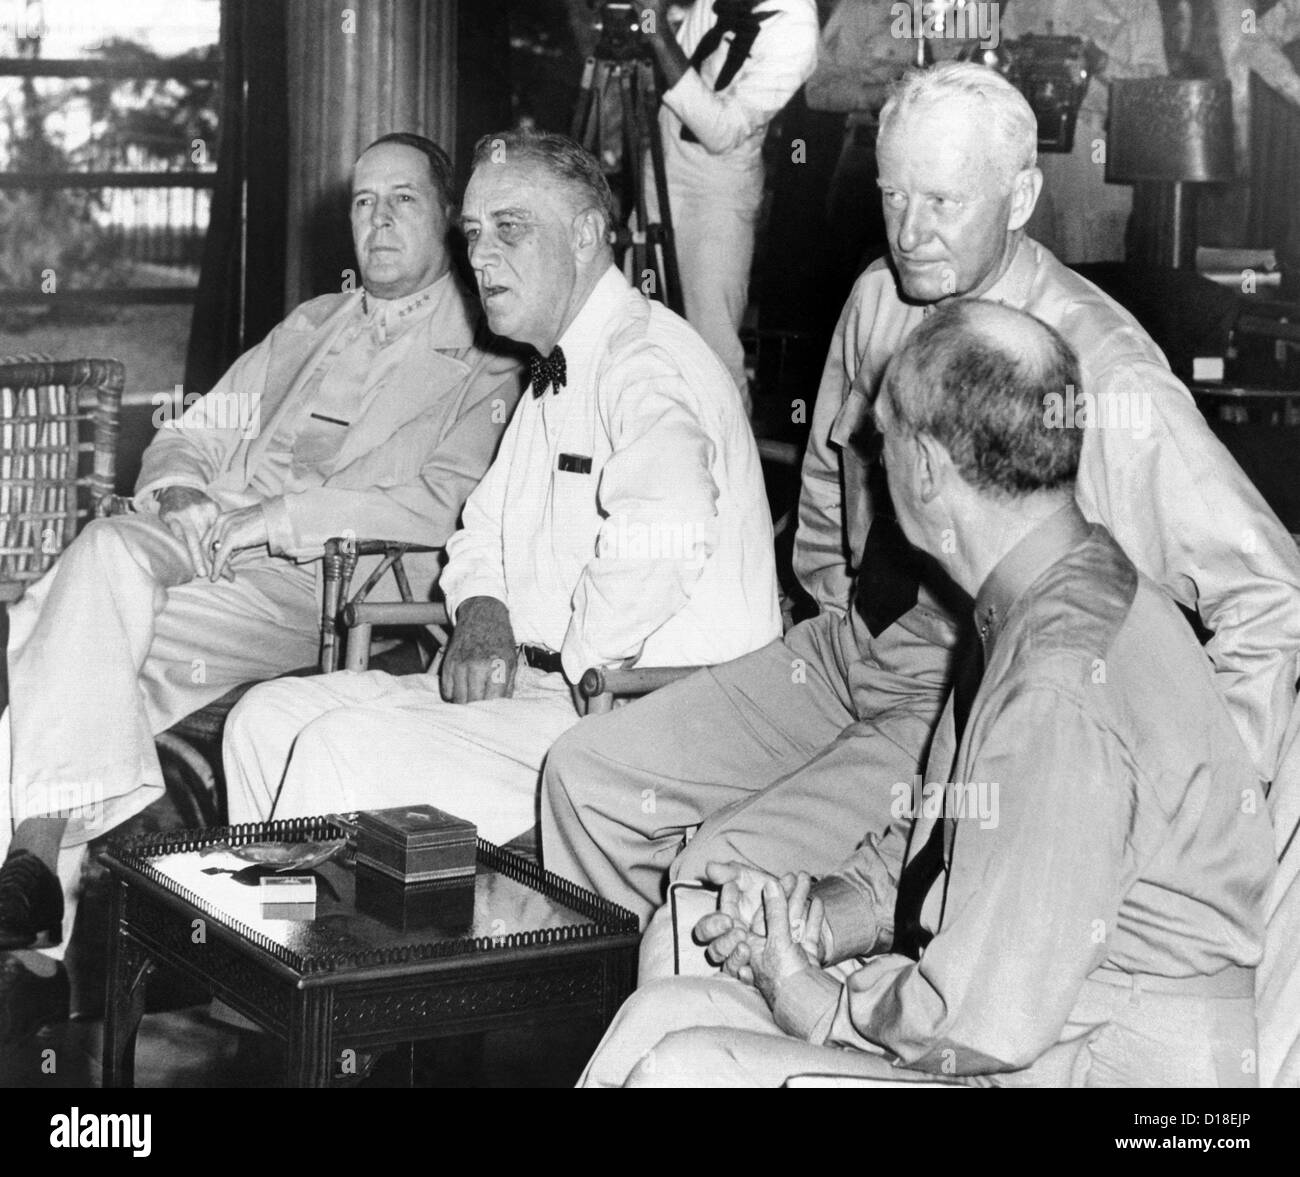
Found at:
(373, 412)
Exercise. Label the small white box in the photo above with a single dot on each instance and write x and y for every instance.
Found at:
(288, 888)
(1207, 368)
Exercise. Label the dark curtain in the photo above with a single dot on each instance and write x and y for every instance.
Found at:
(483, 81)
(1274, 218)
(241, 283)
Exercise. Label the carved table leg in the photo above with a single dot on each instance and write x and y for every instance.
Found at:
(129, 967)
(619, 981)
(311, 1054)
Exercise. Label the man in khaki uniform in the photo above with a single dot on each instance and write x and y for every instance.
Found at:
(373, 412)
(787, 756)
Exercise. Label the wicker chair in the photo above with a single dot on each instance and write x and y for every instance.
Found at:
(58, 459)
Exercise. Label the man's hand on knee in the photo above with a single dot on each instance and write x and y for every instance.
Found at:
(482, 655)
(188, 514)
(232, 532)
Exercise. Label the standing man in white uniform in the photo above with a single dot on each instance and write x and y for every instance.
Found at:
(729, 70)
(624, 522)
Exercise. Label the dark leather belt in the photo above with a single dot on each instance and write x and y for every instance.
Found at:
(547, 661)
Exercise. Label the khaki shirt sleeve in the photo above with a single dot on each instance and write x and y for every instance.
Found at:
(193, 449)
(996, 984)
(1187, 515)
(822, 561)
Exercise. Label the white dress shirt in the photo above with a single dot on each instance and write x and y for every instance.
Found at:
(624, 520)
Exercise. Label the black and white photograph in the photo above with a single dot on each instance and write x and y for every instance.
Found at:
(650, 543)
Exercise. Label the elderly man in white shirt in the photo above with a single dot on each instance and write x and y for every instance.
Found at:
(730, 68)
(623, 523)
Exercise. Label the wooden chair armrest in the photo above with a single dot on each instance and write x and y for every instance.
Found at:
(779, 453)
(600, 680)
(378, 547)
(395, 613)
(114, 504)
(340, 561)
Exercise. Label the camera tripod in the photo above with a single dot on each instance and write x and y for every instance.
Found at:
(627, 82)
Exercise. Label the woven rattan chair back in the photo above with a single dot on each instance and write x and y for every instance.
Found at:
(58, 459)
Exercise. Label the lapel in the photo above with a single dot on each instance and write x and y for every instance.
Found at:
(433, 373)
(422, 385)
(290, 367)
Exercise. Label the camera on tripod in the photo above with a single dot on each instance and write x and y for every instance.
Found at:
(621, 35)
(617, 120)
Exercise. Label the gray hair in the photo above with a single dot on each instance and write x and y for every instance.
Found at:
(440, 170)
(1005, 111)
(976, 376)
(562, 158)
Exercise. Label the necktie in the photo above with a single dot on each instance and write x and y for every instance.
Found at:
(548, 372)
(926, 865)
(889, 576)
(738, 18)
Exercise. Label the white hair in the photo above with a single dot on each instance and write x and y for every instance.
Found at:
(1008, 117)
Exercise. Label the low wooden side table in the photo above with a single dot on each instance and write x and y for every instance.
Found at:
(537, 948)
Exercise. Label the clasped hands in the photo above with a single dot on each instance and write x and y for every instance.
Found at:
(210, 535)
(765, 929)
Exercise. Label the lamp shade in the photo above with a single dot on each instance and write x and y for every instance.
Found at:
(1169, 129)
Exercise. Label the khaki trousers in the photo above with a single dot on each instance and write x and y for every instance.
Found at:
(787, 756)
(699, 1032)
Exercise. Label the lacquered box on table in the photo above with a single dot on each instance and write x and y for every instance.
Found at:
(417, 844)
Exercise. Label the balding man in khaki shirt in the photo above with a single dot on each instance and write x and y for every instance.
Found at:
(1082, 899)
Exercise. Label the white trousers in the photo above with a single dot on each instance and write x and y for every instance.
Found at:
(345, 741)
(115, 644)
(714, 214)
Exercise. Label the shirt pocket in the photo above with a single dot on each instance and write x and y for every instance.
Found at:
(575, 518)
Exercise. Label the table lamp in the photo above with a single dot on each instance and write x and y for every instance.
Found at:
(1172, 131)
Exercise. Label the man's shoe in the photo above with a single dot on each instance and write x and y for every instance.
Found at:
(28, 1001)
(31, 902)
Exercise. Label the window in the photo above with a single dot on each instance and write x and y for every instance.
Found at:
(108, 126)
